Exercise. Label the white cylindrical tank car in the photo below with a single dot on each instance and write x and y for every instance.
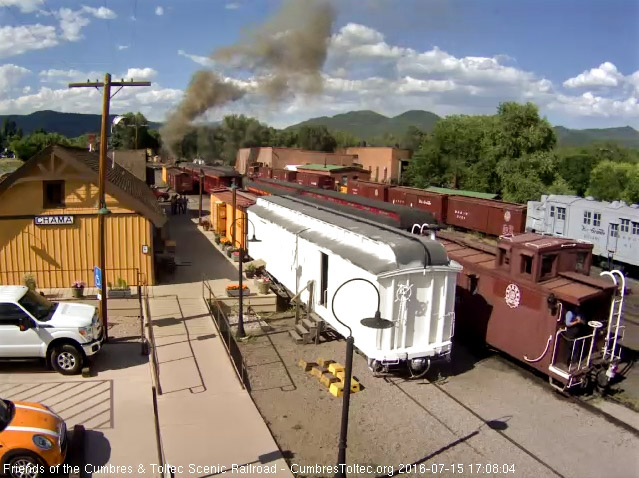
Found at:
(301, 242)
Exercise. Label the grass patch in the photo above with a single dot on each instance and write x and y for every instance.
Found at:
(9, 165)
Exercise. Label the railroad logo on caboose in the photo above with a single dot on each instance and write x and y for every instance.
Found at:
(513, 296)
(507, 216)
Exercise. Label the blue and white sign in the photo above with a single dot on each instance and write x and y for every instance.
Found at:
(97, 277)
(53, 220)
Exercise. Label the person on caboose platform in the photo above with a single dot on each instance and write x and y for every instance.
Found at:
(575, 328)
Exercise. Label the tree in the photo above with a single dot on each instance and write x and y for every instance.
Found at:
(132, 133)
(29, 145)
(631, 193)
(345, 140)
(609, 180)
(316, 138)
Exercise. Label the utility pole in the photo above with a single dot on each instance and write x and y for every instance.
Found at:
(102, 209)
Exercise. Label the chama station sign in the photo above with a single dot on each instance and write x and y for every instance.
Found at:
(53, 220)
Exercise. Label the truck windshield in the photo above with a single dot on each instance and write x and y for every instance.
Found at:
(38, 306)
(6, 412)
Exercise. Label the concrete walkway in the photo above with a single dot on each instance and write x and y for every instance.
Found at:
(206, 418)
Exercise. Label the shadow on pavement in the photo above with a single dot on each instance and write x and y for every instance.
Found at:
(116, 356)
(196, 257)
(98, 453)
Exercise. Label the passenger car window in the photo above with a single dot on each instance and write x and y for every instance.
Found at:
(587, 217)
(625, 225)
(10, 314)
(614, 230)
(596, 220)
(561, 213)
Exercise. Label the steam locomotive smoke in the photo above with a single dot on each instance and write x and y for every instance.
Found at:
(285, 54)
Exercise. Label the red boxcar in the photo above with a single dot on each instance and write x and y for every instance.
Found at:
(483, 215)
(418, 198)
(369, 189)
(316, 180)
(180, 181)
(285, 175)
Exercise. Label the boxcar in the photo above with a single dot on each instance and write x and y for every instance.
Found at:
(487, 216)
(432, 202)
(316, 180)
(285, 175)
(180, 181)
(369, 189)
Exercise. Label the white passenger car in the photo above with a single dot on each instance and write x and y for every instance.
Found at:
(612, 227)
(303, 242)
(64, 334)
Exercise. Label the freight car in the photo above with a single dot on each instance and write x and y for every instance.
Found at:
(414, 277)
(612, 227)
(490, 217)
(515, 297)
(180, 181)
(215, 177)
(405, 217)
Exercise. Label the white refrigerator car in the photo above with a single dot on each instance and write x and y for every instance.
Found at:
(301, 242)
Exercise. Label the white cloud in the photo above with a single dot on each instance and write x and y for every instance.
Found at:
(23, 38)
(590, 104)
(232, 6)
(71, 75)
(73, 21)
(10, 76)
(140, 74)
(605, 75)
(25, 6)
(159, 11)
(102, 12)
(123, 47)
(200, 60)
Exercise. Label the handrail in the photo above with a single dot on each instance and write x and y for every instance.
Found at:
(226, 340)
(543, 354)
(155, 365)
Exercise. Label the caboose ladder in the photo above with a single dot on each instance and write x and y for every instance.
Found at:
(616, 309)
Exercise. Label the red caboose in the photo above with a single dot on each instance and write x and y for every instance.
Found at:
(515, 297)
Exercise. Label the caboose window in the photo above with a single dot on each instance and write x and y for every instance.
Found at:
(552, 211)
(635, 228)
(526, 264)
(596, 220)
(587, 217)
(561, 213)
(625, 225)
(547, 265)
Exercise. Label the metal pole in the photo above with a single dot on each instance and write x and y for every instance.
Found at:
(200, 213)
(234, 188)
(106, 99)
(240, 318)
(341, 456)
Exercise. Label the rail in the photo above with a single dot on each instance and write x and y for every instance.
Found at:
(224, 329)
(155, 365)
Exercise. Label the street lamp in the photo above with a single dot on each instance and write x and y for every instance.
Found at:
(240, 319)
(201, 187)
(375, 322)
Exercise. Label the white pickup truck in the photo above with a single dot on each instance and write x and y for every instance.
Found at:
(64, 334)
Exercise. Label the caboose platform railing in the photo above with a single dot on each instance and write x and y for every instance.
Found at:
(615, 331)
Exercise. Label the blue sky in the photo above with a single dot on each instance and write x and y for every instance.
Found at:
(577, 59)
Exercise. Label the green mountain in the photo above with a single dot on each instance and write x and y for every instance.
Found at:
(70, 125)
(368, 124)
(625, 136)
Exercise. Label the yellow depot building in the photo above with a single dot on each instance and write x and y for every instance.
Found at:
(49, 221)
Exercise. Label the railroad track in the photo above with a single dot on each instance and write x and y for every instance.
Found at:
(497, 425)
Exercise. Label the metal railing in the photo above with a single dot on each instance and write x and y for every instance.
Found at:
(155, 365)
(224, 329)
(55, 278)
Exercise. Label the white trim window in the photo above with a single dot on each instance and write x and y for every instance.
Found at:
(561, 213)
(587, 217)
(625, 225)
(635, 228)
(596, 220)
(552, 211)
(614, 230)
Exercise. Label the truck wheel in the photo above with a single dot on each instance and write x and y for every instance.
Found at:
(67, 359)
(24, 465)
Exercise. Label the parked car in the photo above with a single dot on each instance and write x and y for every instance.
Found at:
(160, 195)
(64, 334)
(32, 439)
